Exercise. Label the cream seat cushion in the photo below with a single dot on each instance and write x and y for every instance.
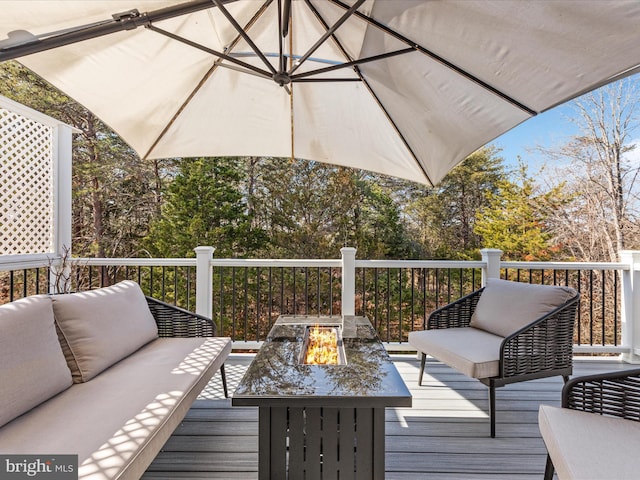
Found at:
(99, 327)
(32, 365)
(588, 446)
(505, 307)
(117, 422)
(474, 352)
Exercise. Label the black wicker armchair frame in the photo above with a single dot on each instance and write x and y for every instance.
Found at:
(615, 394)
(174, 321)
(544, 348)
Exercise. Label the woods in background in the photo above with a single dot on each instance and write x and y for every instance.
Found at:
(583, 205)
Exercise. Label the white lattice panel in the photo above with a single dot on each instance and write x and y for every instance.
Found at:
(26, 185)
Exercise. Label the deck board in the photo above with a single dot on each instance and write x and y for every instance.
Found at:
(444, 436)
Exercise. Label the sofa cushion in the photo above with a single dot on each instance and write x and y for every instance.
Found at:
(588, 446)
(474, 352)
(118, 422)
(505, 307)
(99, 327)
(32, 366)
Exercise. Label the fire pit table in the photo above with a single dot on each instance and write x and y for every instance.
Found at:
(322, 421)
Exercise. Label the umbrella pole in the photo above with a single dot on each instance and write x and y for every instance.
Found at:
(290, 19)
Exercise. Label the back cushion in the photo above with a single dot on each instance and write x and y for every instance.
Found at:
(506, 307)
(99, 327)
(32, 366)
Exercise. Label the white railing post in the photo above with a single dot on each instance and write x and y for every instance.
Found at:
(630, 303)
(62, 161)
(204, 278)
(348, 281)
(492, 257)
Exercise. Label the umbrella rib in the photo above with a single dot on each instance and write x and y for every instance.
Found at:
(353, 63)
(439, 59)
(173, 36)
(371, 92)
(328, 33)
(216, 64)
(245, 35)
(325, 80)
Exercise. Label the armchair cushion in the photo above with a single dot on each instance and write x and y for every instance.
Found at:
(32, 366)
(505, 307)
(474, 352)
(584, 445)
(97, 328)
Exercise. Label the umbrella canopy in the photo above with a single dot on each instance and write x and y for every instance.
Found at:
(406, 88)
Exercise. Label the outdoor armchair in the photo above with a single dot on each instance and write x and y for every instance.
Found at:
(504, 333)
(591, 436)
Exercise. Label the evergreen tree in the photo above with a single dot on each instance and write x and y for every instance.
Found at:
(515, 219)
(444, 216)
(311, 210)
(205, 206)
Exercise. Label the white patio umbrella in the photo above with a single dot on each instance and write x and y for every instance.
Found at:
(402, 87)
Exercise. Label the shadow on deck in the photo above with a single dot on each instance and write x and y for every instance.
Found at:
(444, 436)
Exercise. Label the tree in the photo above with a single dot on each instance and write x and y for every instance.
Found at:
(205, 206)
(601, 175)
(311, 210)
(445, 215)
(514, 219)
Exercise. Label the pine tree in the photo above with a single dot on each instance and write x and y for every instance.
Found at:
(444, 216)
(205, 206)
(514, 219)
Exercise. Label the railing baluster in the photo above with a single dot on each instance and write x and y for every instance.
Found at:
(400, 282)
(294, 291)
(233, 298)
(318, 297)
(270, 296)
(591, 307)
(164, 291)
(388, 303)
(413, 279)
(306, 291)
(376, 298)
(257, 304)
(330, 292)
(615, 308)
(604, 317)
(282, 310)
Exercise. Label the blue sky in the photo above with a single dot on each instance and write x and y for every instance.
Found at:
(548, 129)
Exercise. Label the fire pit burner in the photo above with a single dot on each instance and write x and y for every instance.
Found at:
(322, 345)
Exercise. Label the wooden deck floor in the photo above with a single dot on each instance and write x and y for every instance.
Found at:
(444, 436)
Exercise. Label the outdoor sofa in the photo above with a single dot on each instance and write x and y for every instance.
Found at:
(596, 433)
(106, 374)
(503, 333)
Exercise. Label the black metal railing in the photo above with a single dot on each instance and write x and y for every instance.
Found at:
(599, 321)
(248, 300)
(23, 282)
(397, 296)
(399, 300)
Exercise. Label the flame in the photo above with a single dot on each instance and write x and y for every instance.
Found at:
(323, 346)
